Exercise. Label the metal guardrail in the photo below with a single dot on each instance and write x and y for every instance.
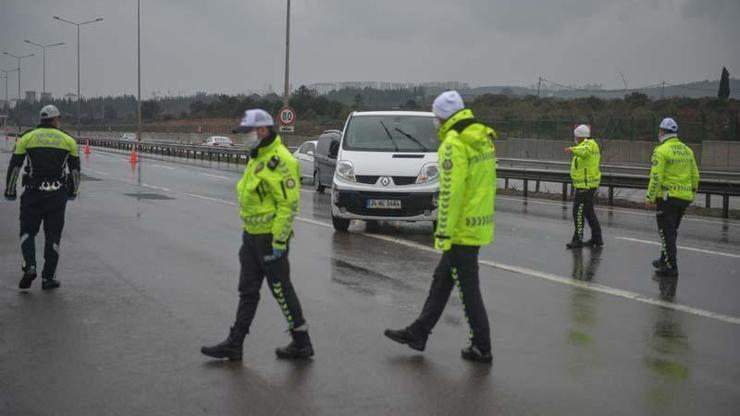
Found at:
(725, 184)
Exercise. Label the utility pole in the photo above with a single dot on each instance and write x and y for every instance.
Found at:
(43, 53)
(286, 92)
(79, 98)
(662, 91)
(539, 84)
(138, 88)
(5, 73)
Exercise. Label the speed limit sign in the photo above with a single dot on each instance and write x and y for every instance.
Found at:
(287, 116)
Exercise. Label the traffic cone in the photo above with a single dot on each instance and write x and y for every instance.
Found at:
(87, 149)
(134, 156)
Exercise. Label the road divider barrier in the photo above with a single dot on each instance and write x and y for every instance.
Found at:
(724, 184)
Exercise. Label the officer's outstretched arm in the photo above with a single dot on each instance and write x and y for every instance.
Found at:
(14, 169)
(581, 150)
(656, 176)
(453, 171)
(286, 193)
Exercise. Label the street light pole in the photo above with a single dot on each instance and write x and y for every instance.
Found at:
(78, 24)
(6, 72)
(138, 65)
(286, 91)
(43, 53)
(19, 69)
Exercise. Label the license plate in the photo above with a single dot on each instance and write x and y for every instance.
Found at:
(383, 204)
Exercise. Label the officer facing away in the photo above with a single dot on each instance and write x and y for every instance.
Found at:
(268, 195)
(50, 153)
(674, 180)
(467, 161)
(585, 173)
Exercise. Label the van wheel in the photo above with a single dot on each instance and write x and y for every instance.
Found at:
(317, 184)
(340, 224)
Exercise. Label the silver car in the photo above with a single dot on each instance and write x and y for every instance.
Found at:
(304, 155)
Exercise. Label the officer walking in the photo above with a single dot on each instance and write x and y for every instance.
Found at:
(674, 180)
(268, 194)
(47, 186)
(467, 177)
(586, 176)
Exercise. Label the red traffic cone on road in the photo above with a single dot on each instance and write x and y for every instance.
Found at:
(134, 156)
(87, 149)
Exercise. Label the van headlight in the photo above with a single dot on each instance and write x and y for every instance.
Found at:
(346, 171)
(429, 172)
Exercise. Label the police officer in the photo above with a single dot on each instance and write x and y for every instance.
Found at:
(467, 161)
(674, 180)
(268, 194)
(585, 173)
(52, 177)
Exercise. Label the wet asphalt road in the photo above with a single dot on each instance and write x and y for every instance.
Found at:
(149, 271)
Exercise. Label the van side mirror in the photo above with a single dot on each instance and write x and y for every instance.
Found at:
(334, 149)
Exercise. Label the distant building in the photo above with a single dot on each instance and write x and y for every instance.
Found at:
(45, 97)
(30, 96)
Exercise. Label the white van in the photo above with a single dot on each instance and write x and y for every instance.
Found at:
(386, 168)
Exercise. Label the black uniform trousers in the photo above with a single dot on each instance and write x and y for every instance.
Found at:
(583, 208)
(39, 207)
(254, 269)
(457, 267)
(669, 213)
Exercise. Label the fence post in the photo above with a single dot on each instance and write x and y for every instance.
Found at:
(565, 192)
(725, 206)
(526, 188)
(708, 201)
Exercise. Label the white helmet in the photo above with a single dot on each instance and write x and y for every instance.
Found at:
(582, 131)
(254, 118)
(48, 112)
(669, 124)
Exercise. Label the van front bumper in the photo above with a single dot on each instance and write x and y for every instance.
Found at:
(415, 206)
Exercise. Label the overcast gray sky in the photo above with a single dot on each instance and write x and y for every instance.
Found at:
(237, 45)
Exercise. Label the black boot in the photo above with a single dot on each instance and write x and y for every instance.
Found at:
(408, 337)
(658, 264)
(574, 244)
(230, 348)
(298, 349)
(665, 271)
(50, 283)
(29, 274)
(594, 243)
(472, 353)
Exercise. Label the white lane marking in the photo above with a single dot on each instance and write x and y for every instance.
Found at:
(208, 198)
(698, 250)
(626, 294)
(621, 211)
(159, 188)
(216, 176)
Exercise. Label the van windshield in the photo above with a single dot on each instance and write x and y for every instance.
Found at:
(391, 134)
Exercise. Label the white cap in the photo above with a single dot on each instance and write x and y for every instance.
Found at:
(255, 118)
(49, 111)
(669, 124)
(582, 131)
(447, 104)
